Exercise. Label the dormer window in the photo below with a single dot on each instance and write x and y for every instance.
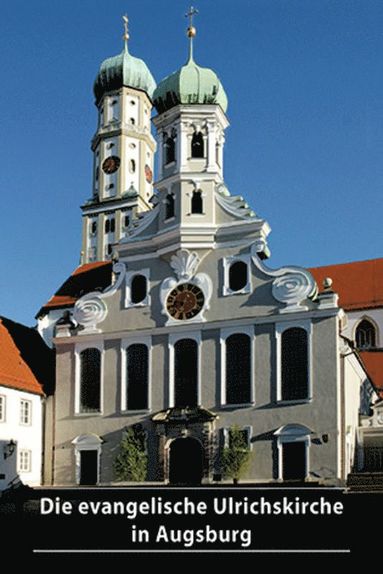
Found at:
(197, 146)
(365, 335)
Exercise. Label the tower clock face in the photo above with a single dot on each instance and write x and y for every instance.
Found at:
(148, 174)
(185, 301)
(111, 164)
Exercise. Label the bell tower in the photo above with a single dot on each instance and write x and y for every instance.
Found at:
(191, 123)
(123, 149)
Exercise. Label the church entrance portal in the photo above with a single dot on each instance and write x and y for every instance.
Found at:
(186, 461)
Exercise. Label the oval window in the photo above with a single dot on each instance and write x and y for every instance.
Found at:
(138, 289)
(237, 276)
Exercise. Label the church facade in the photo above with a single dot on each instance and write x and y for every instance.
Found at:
(186, 332)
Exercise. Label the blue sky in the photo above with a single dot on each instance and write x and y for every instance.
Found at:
(305, 146)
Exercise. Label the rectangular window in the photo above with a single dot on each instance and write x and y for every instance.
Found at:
(137, 376)
(294, 381)
(2, 408)
(25, 412)
(90, 380)
(25, 461)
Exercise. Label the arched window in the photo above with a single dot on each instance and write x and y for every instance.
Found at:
(238, 275)
(170, 150)
(132, 166)
(137, 379)
(238, 369)
(93, 229)
(295, 383)
(365, 335)
(197, 202)
(197, 145)
(126, 220)
(186, 373)
(90, 380)
(112, 225)
(107, 225)
(138, 289)
(170, 207)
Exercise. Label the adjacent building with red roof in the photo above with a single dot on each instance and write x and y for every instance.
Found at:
(26, 377)
(359, 285)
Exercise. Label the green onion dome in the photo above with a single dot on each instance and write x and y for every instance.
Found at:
(191, 84)
(123, 70)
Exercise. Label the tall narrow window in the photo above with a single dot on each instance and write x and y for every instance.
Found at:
(186, 373)
(238, 275)
(90, 380)
(137, 370)
(2, 408)
(107, 225)
(197, 202)
(170, 150)
(294, 364)
(238, 369)
(170, 207)
(197, 145)
(126, 220)
(25, 460)
(365, 335)
(132, 166)
(112, 225)
(25, 412)
(138, 289)
(93, 229)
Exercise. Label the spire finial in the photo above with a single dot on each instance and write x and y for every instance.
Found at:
(126, 30)
(191, 31)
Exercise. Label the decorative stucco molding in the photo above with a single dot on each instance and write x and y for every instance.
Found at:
(292, 286)
(233, 204)
(142, 222)
(91, 309)
(185, 264)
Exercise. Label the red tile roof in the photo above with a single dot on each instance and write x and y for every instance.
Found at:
(359, 284)
(14, 370)
(86, 278)
(373, 361)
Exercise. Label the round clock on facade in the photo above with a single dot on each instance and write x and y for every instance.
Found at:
(185, 301)
(148, 174)
(111, 164)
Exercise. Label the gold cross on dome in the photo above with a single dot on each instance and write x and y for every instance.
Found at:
(126, 28)
(192, 12)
